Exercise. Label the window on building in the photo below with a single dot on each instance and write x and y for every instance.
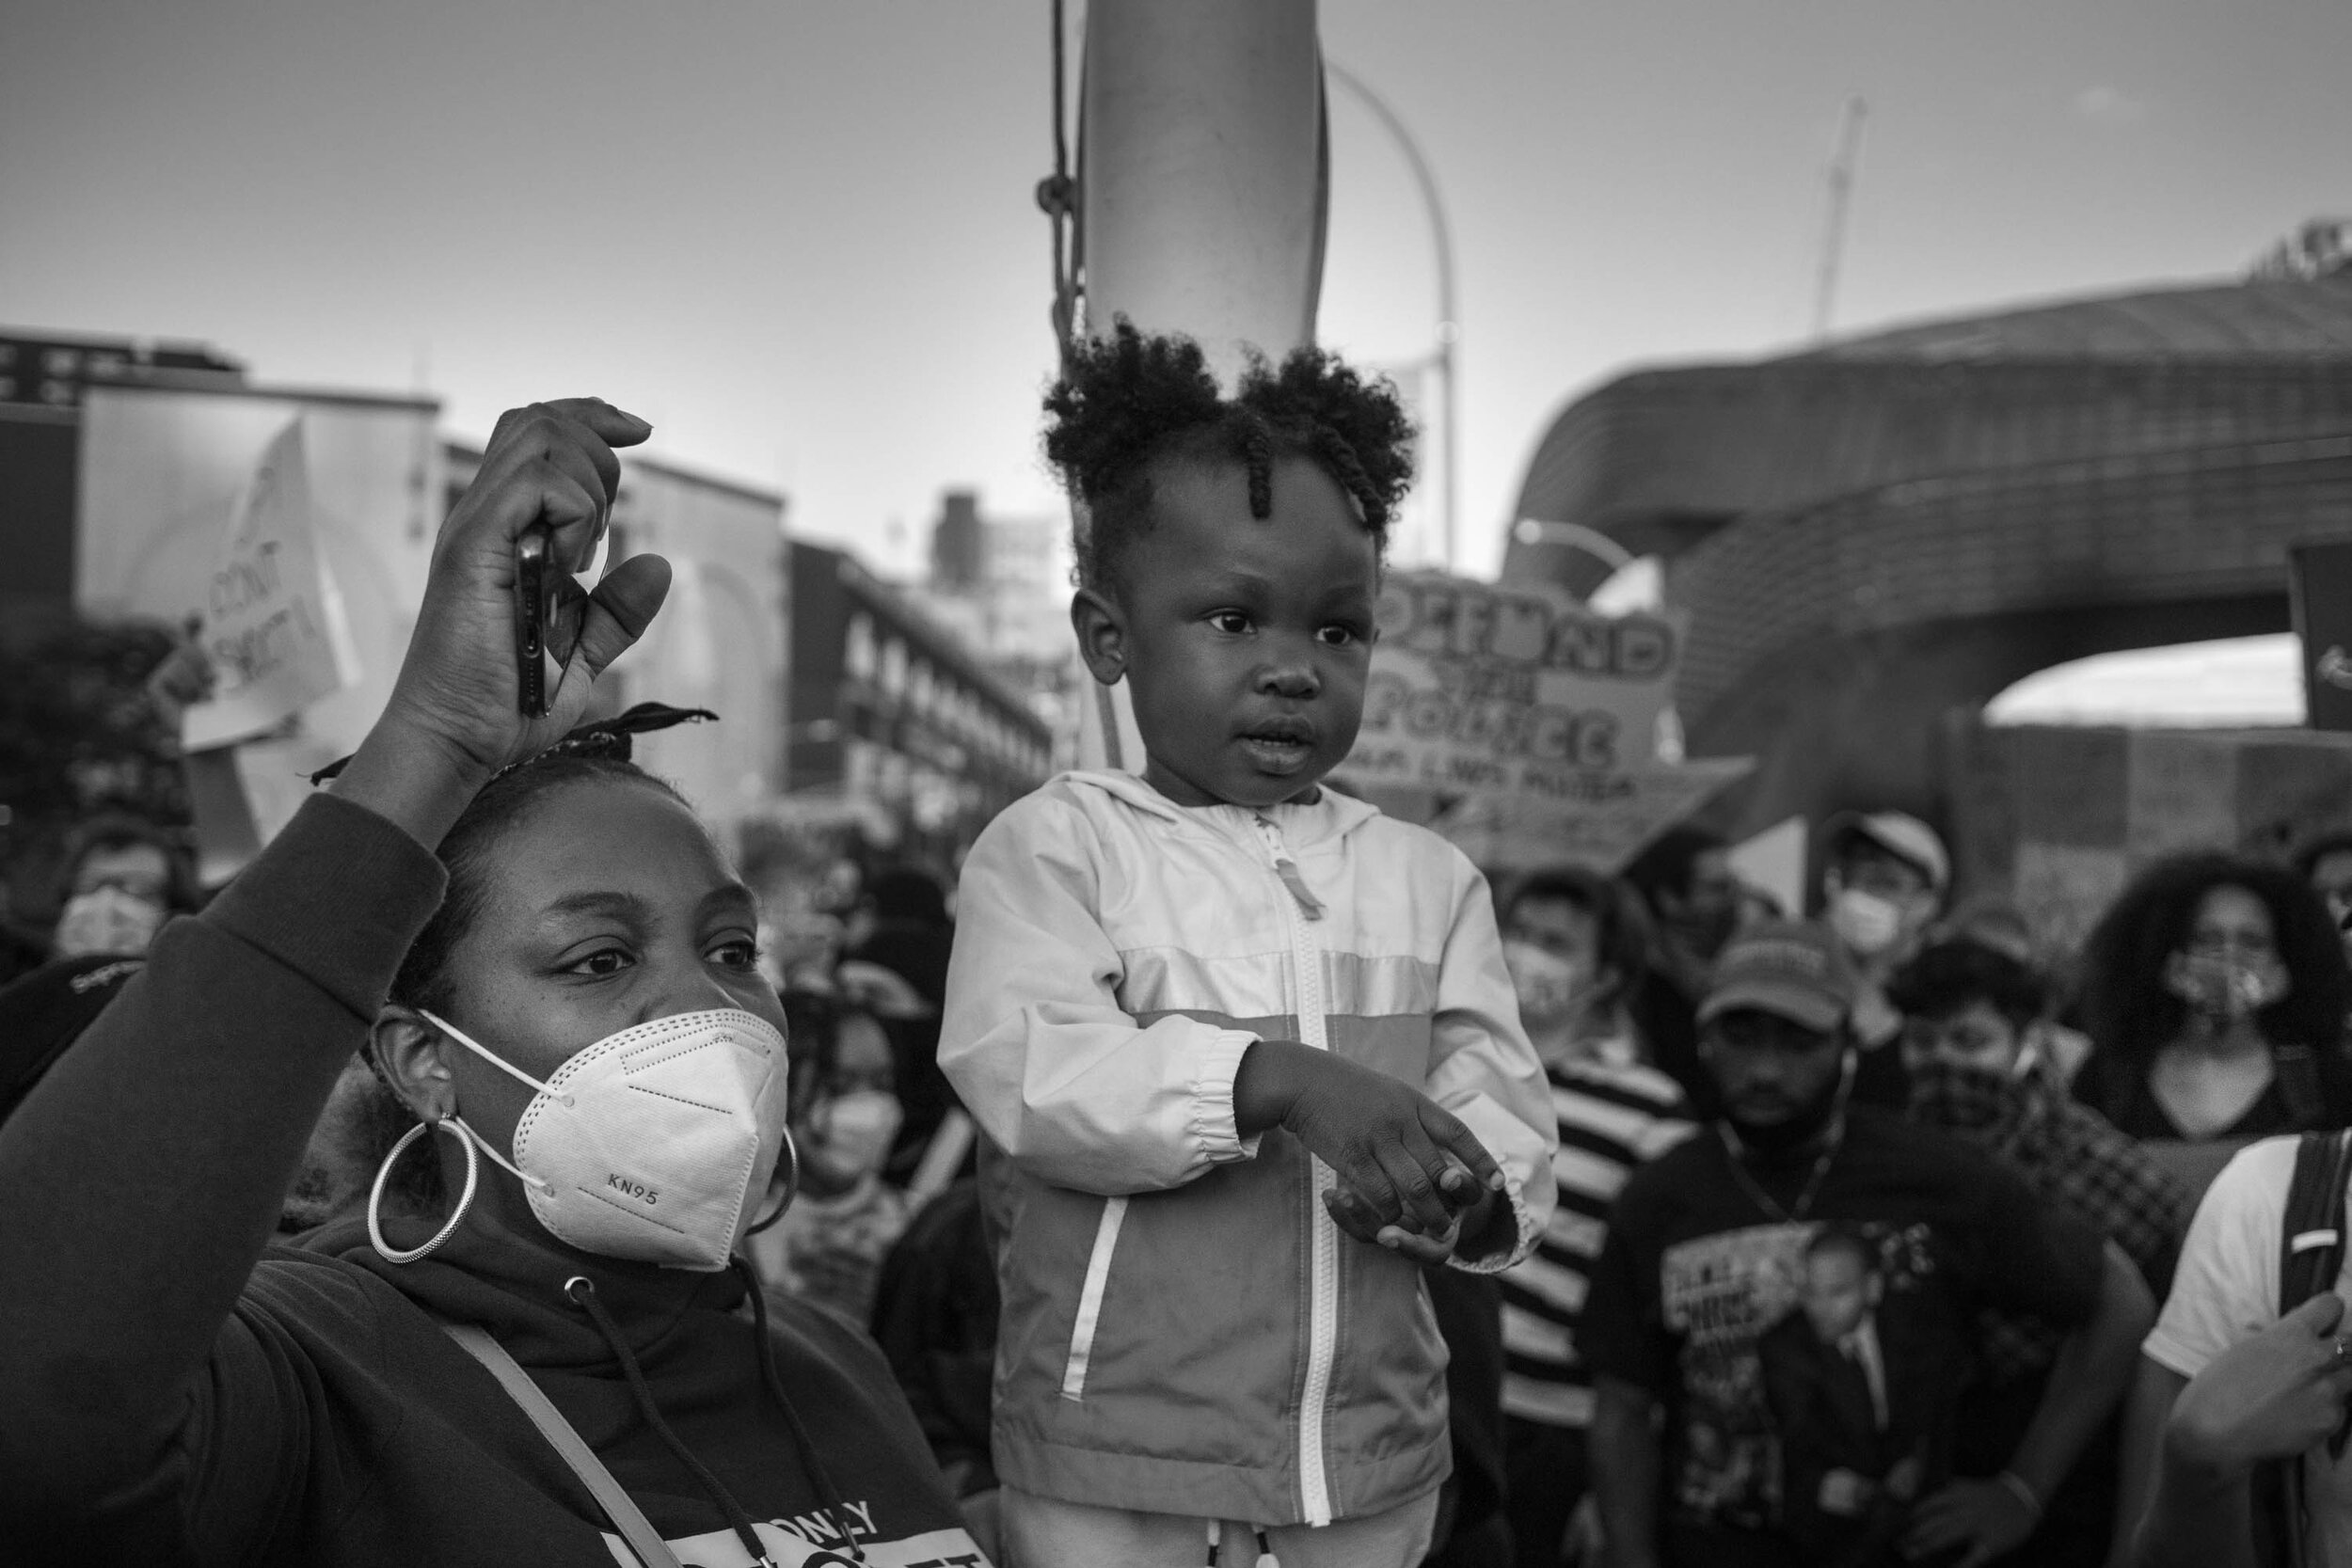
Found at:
(857, 651)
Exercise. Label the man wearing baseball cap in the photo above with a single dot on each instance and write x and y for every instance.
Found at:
(1707, 1251)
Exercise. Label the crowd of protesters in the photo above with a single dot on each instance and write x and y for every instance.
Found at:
(1219, 1167)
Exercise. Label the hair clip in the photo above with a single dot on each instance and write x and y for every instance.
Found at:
(614, 738)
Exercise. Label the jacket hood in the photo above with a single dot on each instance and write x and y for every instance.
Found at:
(516, 1290)
(1331, 815)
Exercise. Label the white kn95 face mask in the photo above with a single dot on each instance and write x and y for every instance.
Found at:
(653, 1144)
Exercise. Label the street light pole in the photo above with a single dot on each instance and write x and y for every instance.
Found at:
(1448, 324)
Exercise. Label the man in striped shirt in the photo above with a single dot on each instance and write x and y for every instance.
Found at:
(1575, 946)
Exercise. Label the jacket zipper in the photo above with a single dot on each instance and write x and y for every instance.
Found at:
(1322, 1268)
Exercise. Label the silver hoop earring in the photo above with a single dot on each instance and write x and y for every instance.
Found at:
(465, 1199)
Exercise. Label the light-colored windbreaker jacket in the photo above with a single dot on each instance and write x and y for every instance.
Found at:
(1185, 1330)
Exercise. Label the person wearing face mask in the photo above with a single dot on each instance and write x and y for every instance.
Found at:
(124, 878)
(1884, 878)
(1574, 944)
(1974, 1044)
(1685, 879)
(1695, 903)
(1708, 1247)
(2213, 993)
(829, 1246)
(1993, 920)
(904, 948)
(536, 1341)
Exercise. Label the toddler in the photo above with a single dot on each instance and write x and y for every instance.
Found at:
(1245, 1049)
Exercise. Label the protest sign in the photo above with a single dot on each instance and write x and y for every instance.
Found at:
(1475, 687)
(273, 621)
(1529, 723)
(240, 796)
(1620, 810)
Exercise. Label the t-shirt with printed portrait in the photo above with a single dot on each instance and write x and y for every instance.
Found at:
(1701, 1267)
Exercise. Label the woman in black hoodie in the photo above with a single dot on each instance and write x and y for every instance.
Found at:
(582, 1009)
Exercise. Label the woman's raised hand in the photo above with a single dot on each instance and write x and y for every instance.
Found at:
(454, 715)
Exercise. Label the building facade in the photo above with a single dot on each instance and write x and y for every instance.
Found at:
(1003, 584)
(889, 706)
(45, 380)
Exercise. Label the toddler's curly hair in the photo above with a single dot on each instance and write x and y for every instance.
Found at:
(1127, 402)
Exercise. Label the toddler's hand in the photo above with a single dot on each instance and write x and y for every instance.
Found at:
(1409, 1161)
(1360, 1221)
(1354, 1213)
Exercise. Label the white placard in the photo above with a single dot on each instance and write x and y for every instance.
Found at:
(273, 624)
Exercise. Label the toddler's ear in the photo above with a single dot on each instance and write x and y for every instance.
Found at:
(1102, 629)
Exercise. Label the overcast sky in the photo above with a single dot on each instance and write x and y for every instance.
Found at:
(800, 237)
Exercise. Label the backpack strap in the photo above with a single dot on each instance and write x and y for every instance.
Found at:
(2311, 1239)
(627, 1518)
(2310, 1252)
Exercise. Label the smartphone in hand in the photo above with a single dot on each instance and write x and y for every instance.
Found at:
(550, 606)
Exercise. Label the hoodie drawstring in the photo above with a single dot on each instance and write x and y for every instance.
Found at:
(582, 1292)
(1216, 1547)
(836, 1507)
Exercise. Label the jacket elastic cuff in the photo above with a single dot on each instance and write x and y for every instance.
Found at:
(1529, 1231)
(1213, 1123)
